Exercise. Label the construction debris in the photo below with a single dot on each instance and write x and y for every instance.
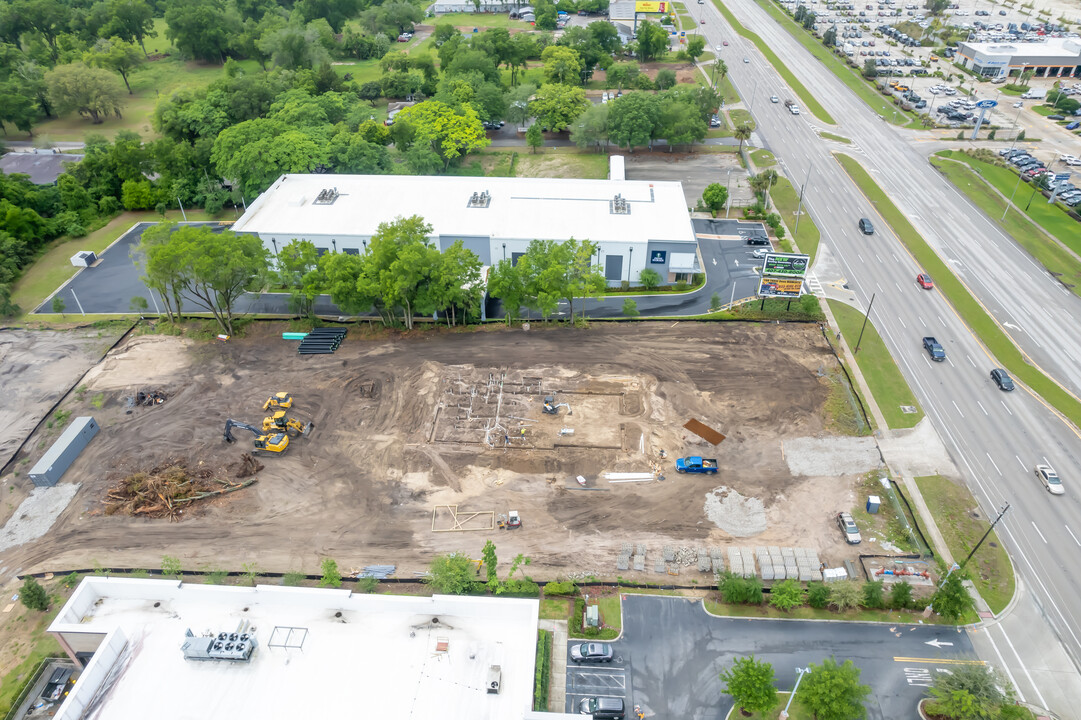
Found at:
(380, 572)
(166, 490)
(450, 519)
(321, 341)
(704, 431)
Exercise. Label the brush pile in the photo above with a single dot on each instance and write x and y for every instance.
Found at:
(167, 490)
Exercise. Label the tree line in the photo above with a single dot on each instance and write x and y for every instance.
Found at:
(400, 275)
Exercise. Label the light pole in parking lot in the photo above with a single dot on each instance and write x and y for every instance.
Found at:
(728, 200)
(1014, 126)
(1010, 201)
(799, 676)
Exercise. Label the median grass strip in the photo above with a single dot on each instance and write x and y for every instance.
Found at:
(1058, 261)
(786, 201)
(962, 524)
(888, 385)
(849, 76)
(809, 102)
(835, 138)
(1050, 217)
(967, 306)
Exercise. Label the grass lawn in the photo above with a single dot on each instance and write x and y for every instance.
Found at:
(727, 90)
(835, 138)
(763, 158)
(153, 80)
(973, 313)
(809, 101)
(611, 611)
(796, 710)
(806, 612)
(1044, 110)
(786, 200)
(467, 21)
(556, 608)
(888, 385)
(740, 116)
(1051, 218)
(953, 507)
(561, 162)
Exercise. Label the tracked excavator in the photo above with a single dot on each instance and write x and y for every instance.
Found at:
(293, 427)
(279, 400)
(274, 443)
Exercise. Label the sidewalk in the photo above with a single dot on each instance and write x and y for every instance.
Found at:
(557, 685)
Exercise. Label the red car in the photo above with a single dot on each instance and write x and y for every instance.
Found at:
(925, 281)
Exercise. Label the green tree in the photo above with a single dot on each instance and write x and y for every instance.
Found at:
(92, 92)
(900, 595)
(116, 55)
(969, 692)
(715, 197)
(665, 79)
(506, 282)
(556, 106)
(171, 567)
(649, 278)
(297, 270)
(936, 6)
(818, 595)
(591, 127)
(294, 47)
(680, 123)
(201, 29)
(518, 104)
(456, 284)
(715, 301)
(543, 270)
(952, 600)
(258, 152)
(341, 272)
(845, 594)
(630, 308)
(583, 278)
(750, 683)
(633, 119)
(398, 266)
(873, 595)
(829, 38)
(562, 65)
(786, 595)
(130, 20)
(870, 70)
(742, 133)
(332, 577)
(490, 564)
(834, 692)
(59, 306)
(451, 574)
(696, 45)
(335, 12)
(652, 41)
(534, 138)
(447, 132)
(33, 595)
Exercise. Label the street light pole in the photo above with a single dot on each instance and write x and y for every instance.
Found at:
(800, 673)
(1014, 126)
(1010, 201)
(865, 319)
(728, 204)
(799, 205)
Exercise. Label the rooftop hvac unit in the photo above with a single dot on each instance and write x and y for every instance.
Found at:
(480, 200)
(234, 647)
(495, 678)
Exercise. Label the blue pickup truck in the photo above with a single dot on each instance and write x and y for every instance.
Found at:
(696, 465)
(934, 349)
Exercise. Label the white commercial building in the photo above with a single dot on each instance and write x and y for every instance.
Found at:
(1054, 57)
(635, 224)
(172, 651)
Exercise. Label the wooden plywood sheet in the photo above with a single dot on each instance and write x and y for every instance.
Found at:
(704, 431)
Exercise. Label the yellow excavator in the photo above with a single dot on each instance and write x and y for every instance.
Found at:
(274, 443)
(279, 423)
(279, 400)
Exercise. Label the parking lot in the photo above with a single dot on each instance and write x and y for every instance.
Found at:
(671, 653)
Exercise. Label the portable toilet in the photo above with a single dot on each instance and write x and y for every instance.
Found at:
(873, 502)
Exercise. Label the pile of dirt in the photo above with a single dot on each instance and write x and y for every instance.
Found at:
(169, 488)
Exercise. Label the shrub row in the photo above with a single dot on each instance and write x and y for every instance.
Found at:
(543, 670)
(843, 595)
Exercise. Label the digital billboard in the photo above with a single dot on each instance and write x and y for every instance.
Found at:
(785, 265)
(780, 287)
(650, 6)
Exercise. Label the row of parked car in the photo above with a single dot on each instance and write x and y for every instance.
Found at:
(892, 32)
(1032, 169)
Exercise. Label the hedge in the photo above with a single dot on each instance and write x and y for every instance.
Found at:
(543, 670)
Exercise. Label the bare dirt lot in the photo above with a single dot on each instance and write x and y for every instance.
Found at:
(406, 424)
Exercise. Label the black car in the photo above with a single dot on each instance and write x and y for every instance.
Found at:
(1056, 117)
(758, 240)
(1002, 379)
(866, 227)
(592, 653)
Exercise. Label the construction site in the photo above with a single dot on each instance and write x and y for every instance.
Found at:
(555, 442)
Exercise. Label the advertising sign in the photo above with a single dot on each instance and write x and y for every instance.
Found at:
(786, 265)
(982, 104)
(650, 6)
(658, 257)
(780, 287)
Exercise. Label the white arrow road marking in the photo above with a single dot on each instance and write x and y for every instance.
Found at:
(938, 643)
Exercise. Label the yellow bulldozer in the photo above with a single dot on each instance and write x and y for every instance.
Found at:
(274, 443)
(279, 400)
(278, 422)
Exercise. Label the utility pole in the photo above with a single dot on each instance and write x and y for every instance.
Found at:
(1001, 514)
(865, 319)
(799, 206)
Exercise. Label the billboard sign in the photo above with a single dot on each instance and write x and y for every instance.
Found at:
(780, 287)
(785, 265)
(984, 104)
(650, 6)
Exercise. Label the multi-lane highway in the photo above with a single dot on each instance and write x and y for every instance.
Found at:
(995, 438)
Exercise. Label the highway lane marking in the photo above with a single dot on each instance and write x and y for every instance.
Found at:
(939, 661)
(951, 363)
(969, 358)
(877, 257)
(922, 322)
(1004, 666)
(958, 410)
(1072, 535)
(1043, 703)
(994, 463)
(1004, 405)
(861, 260)
(902, 322)
(896, 283)
(1038, 532)
(1023, 466)
(984, 412)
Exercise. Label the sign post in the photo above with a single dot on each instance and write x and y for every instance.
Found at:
(984, 106)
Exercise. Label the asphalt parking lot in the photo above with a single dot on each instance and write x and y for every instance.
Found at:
(671, 653)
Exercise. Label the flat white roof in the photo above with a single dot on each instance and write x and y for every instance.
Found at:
(520, 208)
(382, 656)
(1066, 48)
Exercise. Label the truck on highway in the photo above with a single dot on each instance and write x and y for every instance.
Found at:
(696, 465)
(934, 349)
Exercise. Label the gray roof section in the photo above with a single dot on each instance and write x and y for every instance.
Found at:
(42, 167)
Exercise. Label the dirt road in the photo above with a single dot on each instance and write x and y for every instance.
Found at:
(454, 418)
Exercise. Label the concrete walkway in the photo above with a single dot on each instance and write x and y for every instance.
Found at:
(557, 683)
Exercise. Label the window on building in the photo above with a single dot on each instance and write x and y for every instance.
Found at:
(351, 251)
(514, 258)
(320, 252)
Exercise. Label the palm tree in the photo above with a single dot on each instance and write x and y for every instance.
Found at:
(720, 68)
(742, 133)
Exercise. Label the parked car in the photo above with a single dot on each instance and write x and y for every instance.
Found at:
(925, 281)
(866, 227)
(592, 653)
(1056, 117)
(602, 708)
(1050, 479)
(848, 528)
(1074, 125)
(758, 240)
(1002, 379)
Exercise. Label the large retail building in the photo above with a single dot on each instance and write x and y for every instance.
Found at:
(1054, 57)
